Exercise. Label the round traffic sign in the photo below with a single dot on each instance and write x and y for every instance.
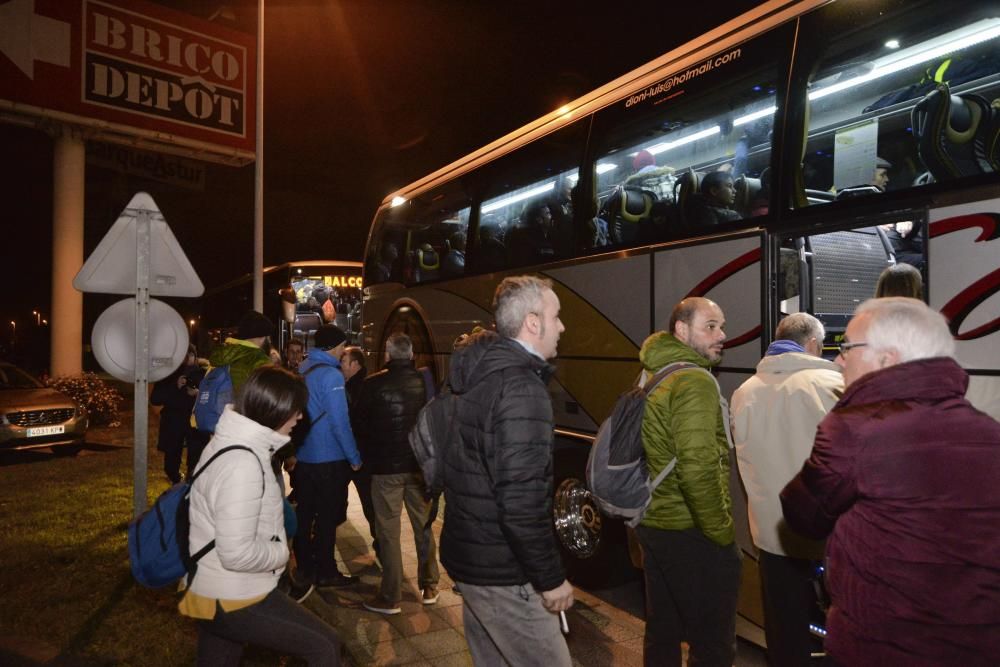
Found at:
(114, 340)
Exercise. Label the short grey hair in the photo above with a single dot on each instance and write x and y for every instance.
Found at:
(908, 326)
(515, 297)
(800, 328)
(399, 346)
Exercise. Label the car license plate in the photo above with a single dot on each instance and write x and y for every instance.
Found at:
(46, 430)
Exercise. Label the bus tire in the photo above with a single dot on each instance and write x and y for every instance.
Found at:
(594, 547)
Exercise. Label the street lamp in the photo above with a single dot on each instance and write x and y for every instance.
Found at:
(13, 332)
(38, 318)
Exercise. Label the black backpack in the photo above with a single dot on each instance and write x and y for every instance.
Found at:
(432, 433)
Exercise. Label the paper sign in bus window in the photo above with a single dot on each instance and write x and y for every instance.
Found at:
(854, 154)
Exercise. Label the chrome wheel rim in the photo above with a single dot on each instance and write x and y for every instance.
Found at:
(577, 518)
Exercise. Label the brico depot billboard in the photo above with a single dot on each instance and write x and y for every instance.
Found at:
(130, 68)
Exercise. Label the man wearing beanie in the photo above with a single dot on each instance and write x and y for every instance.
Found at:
(324, 462)
(243, 355)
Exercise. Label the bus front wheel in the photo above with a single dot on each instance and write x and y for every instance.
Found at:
(594, 547)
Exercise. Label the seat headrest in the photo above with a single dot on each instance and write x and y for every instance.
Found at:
(428, 258)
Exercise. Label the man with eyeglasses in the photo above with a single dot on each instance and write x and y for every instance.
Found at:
(775, 414)
(903, 482)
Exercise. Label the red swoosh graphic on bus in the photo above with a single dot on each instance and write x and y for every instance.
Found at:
(966, 301)
(726, 271)
(988, 222)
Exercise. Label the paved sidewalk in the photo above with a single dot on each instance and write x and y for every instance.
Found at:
(432, 634)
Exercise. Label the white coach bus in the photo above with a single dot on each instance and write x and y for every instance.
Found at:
(775, 164)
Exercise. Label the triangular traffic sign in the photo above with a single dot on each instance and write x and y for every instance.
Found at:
(111, 268)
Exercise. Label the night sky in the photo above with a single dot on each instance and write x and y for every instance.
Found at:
(361, 98)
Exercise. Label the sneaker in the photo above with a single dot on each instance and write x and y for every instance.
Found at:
(338, 580)
(430, 595)
(382, 606)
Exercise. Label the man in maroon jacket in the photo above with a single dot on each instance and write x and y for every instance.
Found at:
(904, 477)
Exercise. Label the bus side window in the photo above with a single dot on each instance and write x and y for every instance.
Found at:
(421, 240)
(691, 151)
(889, 114)
(529, 213)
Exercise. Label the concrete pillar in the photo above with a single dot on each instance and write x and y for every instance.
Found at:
(66, 320)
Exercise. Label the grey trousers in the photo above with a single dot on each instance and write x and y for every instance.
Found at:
(507, 625)
(389, 494)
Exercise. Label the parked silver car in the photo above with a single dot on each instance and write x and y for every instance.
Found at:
(32, 415)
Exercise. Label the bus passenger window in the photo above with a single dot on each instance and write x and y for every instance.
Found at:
(420, 240)
(903, 102)
(689, 152)
(531, 212)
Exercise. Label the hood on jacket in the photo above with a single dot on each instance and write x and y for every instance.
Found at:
(790, 362)
(234, 351)
(783, 345)
(487, 352)
(318, 358)
(234, 428)
(662, 349)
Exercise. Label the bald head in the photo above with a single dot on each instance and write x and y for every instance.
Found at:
(685, 310)
(700, 324)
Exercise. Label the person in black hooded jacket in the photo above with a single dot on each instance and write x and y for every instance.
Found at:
(386, 409)
(176, 394)
(498, 541)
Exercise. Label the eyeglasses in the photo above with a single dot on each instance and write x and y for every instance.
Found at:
(846, 347)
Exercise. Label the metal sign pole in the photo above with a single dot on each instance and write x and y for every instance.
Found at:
(140, 404)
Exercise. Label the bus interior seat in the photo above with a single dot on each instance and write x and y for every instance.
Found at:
(747, 191)
(687, 189)
(426, 262)
(956, 135)
(636, 205)
(846, 266)
(626, 209)
(305, 326)
(857, 191)
(819, 196)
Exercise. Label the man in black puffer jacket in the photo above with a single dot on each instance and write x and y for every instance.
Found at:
(386, 409)
(498, 541)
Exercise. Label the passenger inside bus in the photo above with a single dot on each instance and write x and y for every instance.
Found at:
(900, 280)
(453, 263)
(532, 240)
(714, 206)
(907, 242)
(880, 178)
(648, 176)
(387, 267)
(491, 255)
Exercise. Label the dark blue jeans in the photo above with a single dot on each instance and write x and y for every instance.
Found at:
(321, 494)
(277, 623)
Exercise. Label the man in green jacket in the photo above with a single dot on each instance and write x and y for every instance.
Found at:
(691, 562)
(243, 355)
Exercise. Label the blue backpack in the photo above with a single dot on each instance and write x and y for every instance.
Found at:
(214, 393)
(158, 539)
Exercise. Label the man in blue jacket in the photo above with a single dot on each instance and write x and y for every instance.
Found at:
(324, 462)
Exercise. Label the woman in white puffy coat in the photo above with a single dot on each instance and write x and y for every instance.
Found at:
(237, 502)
